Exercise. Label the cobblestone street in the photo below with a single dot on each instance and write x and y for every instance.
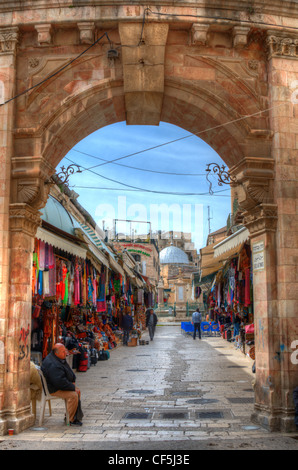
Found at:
(174, 393)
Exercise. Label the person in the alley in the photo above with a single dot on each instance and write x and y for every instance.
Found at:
(196, 321)
(61, 380)
(151, 321)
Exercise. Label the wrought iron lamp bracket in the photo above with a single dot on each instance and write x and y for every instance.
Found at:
(224, 177)
(64, 174)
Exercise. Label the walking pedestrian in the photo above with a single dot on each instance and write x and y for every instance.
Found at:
(196, 320)
(236, 324)
(127, 324)
(151, 321)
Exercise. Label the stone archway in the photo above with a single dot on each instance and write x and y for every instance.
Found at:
(205, 77)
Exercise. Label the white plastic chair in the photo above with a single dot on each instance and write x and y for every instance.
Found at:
(47, 397)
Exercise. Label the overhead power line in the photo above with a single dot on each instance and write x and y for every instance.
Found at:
(57, 71)
(99, 188)
(187, 136)
(138, 188)
(140, 169)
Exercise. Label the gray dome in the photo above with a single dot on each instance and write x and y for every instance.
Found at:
(173, 255)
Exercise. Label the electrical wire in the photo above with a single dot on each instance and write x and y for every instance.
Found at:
(140, 169)
(147, 10)
(57, 71)
(144, 190)
(140, 189)
(187, 136)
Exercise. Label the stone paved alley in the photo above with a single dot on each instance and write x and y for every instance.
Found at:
(174, 393)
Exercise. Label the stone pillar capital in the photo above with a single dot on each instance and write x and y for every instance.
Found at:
(8, 39)
(24, 218)
(255, 179)
(261, 219)
(29, 181)
(282, 44)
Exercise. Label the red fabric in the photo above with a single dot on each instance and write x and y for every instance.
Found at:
(247, 288)
(250, 329)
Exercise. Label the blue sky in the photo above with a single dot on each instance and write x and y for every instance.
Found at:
(111, 199)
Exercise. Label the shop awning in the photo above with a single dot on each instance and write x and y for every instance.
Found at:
(97, 253)
(140, 282)
(147, 281)
(116, 266)
(61, 243)
(96, 240)
(232, 242)
(128, 271)
(218, 263)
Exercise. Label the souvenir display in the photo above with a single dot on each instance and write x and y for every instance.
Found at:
(75, 303)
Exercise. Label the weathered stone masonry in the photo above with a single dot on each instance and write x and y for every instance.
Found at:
(196, 66)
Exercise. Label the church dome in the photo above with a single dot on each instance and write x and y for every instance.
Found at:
(173, 255)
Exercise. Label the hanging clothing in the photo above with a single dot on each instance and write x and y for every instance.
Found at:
(40, 286)
(51, 259)
(65, 298)
(77, 286)
(247, 288)
(42, 254)
(46, 283)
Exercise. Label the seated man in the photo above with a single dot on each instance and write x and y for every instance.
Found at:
(61, 380)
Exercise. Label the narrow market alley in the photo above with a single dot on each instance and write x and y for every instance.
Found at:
(172, 393)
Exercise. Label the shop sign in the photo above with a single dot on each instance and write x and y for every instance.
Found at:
(138, 251)
(137, 246)
(258, 256)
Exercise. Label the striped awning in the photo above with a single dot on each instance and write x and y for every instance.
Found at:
(96, 240)
(61, 243)
(232, 242)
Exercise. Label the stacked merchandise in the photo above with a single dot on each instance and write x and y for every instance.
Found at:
(75, 303)
(230, 298)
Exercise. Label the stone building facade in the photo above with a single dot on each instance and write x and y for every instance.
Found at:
(146, 256)
(227, 72)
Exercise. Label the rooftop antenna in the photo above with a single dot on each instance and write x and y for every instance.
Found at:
(209, 218)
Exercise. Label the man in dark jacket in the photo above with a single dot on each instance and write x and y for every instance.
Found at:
(127, 324)
(61, 380)
(151, 321)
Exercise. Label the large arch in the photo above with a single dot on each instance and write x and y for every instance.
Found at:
(228, 82)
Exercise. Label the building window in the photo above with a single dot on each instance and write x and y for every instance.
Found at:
(180, 293)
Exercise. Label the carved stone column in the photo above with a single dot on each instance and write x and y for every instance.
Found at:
(29, 192)
(8, 43)
(260, 216)
(283, 86)
(24, 221)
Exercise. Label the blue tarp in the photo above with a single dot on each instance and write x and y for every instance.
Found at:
(206, 327)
